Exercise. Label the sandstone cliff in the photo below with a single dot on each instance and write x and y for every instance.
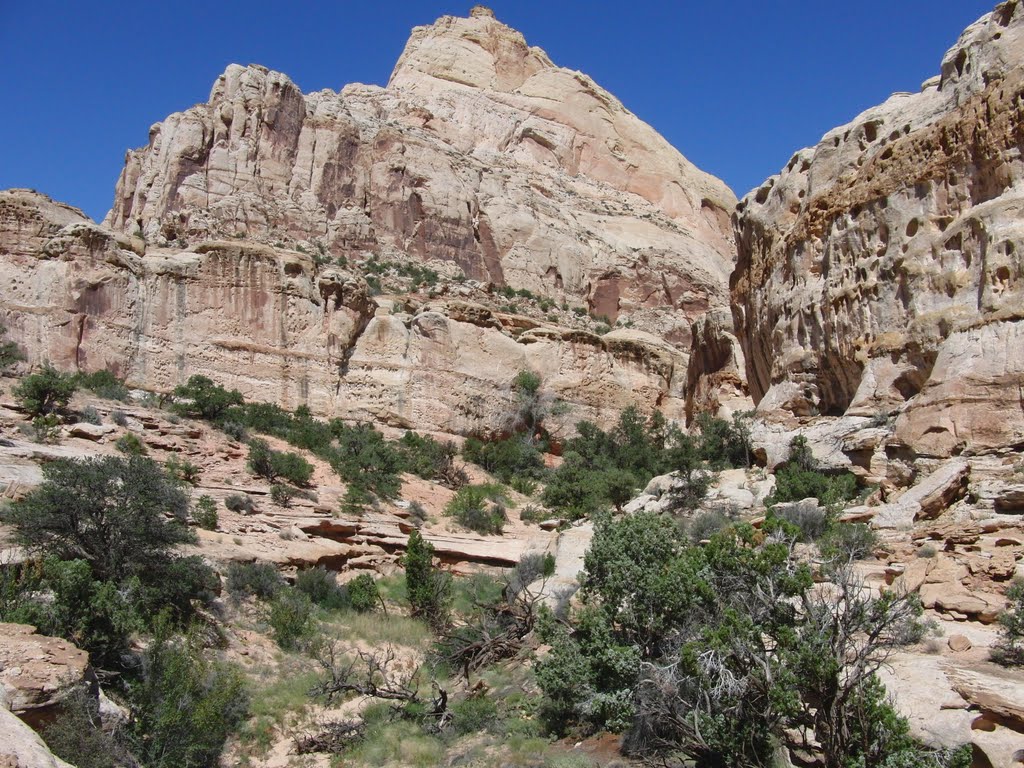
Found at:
(239, 237)
(881, 270)
(480, 152)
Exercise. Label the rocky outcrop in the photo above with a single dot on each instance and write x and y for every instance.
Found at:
(21, 747)
(480, 153)
(280, 327)
(38, 672)
(238, 239)
(882, 269)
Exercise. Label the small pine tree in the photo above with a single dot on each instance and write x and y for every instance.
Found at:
(429, 589)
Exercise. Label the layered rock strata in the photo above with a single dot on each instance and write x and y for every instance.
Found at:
(238, 239)
(280, 328)
(480, 153)
(882, 269)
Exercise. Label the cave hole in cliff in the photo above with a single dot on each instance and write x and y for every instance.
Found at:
(909, 383)
(871, 130)
(912, 226)
(960, 62)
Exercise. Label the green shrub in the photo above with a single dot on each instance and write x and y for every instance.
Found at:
(513, 457)
(282, 495)
(417, 514)
(234, 430)
(46, 429)
(474, 714)
(241, 503)
(97, 616)
(1010, 648)
(103, 384)
(533, 514)
(724, 444)
(119, 417)
(291, 618)
(130, 445)
(9, 351)
(184, 707)
(271, 465)
(429, 589)
(46, 392)
(321, 588)
(844, 542)
(479, 508)
(254, 579)
(524, 485)
(204, 513)
(363, 594)
(799, 478)
(810, 521)
(78, 734)
(91, 416)
(182, 469)
(121, 514)
(706, 524)
(426, 457)
(202, 398)
(356, 500)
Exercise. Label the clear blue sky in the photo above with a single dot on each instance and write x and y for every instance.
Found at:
(736, 86)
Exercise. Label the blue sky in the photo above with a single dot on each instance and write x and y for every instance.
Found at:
(737, 86)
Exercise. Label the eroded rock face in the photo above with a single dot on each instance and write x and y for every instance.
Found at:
(281, 328)
(882, 269)
(479, 152)
(38, 672)
(220, 255)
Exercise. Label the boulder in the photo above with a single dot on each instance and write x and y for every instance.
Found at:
(88, 431)
(929, 498)
(37, 672)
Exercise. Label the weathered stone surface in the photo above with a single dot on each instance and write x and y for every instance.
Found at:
(280, 328)
(940, 582)
(959, 643)
(882, 269)
(923, 694)
(480, 152)
(21, 747)
(994, 690)
(90, 431)
(928, 498)
(37, 672)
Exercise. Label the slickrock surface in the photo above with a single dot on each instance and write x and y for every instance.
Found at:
(882, 269)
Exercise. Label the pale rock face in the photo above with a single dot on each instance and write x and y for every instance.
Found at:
(21, 747)
(882, 270)
(479, 152)
(279, 328)
(480, 155)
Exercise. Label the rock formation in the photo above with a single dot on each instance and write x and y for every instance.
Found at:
(480, 153)
(37, 672)
(881, 270)
(238, 237)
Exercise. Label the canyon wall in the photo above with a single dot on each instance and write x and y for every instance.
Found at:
(881, 270)
(239, 236)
